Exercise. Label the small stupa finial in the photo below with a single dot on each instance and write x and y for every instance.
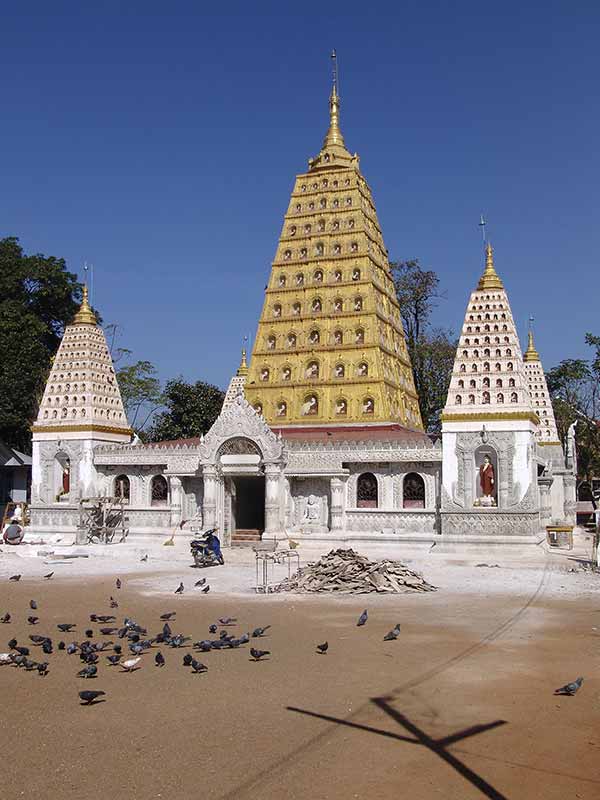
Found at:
(243, 367)
(490, 278)
(85, 315)
(531, 354)
(334, 134)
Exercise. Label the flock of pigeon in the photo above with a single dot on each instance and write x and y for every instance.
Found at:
(135, 642)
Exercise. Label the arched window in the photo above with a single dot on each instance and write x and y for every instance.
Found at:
(362, 369)
(291, 340)
(355, 274)
(463, 368)
(514, 397)
(461, 384)
(359, 336)
(276, 310)
(159, 491)
(486, 383)
(282, 281)
(486, 398)
(511, 382)
(339, 371)
(299, 279)
(314, 337)
(282, 408)
(499, 397)
(312, 369)
(366, 491)
(413, 491)
(472, 399)
(458, 400)
(486, 366)
(296, 308)
(337, 276)
(509, 366)
(338, 337)
(499, 383)
(318, 276)
(264, 374)
(287, 255)
(122, 488)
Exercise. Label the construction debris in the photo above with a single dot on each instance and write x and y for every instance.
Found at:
(347, 572)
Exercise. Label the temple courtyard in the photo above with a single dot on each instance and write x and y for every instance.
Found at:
(460, 706)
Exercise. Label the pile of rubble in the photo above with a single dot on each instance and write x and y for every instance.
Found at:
(347, 572)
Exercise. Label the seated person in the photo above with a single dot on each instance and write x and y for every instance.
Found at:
(13, 533)
(212, 543)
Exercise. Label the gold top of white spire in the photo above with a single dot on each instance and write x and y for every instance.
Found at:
(531, 354)
(490, 278)
(85, 315)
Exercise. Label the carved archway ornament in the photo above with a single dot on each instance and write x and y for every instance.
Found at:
(239, 421)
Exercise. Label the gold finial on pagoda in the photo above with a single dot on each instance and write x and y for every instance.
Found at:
(531, 354)
(490, 278)
(85, 315)
(334, 134)
(243, 367)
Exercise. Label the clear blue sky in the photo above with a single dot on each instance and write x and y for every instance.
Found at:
(159, 141)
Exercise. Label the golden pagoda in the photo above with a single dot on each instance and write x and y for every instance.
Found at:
(330, 346)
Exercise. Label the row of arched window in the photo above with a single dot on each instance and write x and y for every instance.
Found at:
(320, 250)
(337, 338)
(486, 367)
(486, 398)
(159, 489)
(312, 370)
(321, 226)
(102, 413)
(486, 383)
(338, 306)
(321, 203)
(487, 353)
(337, 276)
(325, 184)
(310, 407)
(486, 328)
(487, 307)
(413, 491)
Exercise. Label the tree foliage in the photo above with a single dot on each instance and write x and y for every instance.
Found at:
(431, 350)
(191, 409)
(141, 392)
(574, 387)
(38, 297)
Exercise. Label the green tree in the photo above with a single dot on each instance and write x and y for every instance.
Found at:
(191, 409)
(432, 351)
(141, 393)
(574, 387)
(38, 297)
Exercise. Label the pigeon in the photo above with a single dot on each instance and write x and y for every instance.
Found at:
(323, 648)
(569, 689)
(213, 628)
(227, 620)
(206, 589)
(47, 647)
(33, 620)
(90, 658)
(187, 659)
(198, 667)
(38, 639)
(118, 583)
(72, 648)
(89, 697)
(130, 664)
(260, 631)
(244, 638)
(88, 672)
(113, 603)
(362, 620)
(159, 659)
(5, 619)
(12, 644)
(30, 665)
(392, 635)
(204, 645)
(144, 557)
(23, 651)
(108, 631)
(201, 582)
(166, 631)
(169, 615)
(105, 618)
(48, 576)
(61, 645)
(89, 633)
(179, 589)
(113, 660)
(118, 649)
(15, 578)
(42, 668)
(6, 658)
(33, 605)
(65, 627)
(258, 654)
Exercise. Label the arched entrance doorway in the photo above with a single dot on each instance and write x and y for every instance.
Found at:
(240, 460)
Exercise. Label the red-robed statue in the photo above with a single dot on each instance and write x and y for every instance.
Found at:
(487, 479)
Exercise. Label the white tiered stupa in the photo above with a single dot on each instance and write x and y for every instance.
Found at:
(237, 383)
(81, 407)
(489, 416)
(540, 397)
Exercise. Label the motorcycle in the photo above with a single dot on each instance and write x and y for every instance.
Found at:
(207, 552)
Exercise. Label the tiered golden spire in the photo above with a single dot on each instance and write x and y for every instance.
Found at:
(531, 354)
(490, 278)
(334, 134)
(85, 315)
(243, 367)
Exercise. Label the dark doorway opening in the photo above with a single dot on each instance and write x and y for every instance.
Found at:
(250, 503)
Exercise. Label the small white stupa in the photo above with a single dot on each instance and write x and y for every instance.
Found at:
(81, 408)
(540, 397)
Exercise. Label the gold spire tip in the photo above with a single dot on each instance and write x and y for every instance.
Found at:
(85, 315)
(490, 278)
(531, 354)
(243, 367)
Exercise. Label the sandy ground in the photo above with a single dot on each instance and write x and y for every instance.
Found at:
(461, 706)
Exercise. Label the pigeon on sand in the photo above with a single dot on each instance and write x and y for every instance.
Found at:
(362, 619)
(323, 648)
(88, 698)
(569, 689)
(130, 664)
(258, 654)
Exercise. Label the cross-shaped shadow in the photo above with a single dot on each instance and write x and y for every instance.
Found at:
(419, 737)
